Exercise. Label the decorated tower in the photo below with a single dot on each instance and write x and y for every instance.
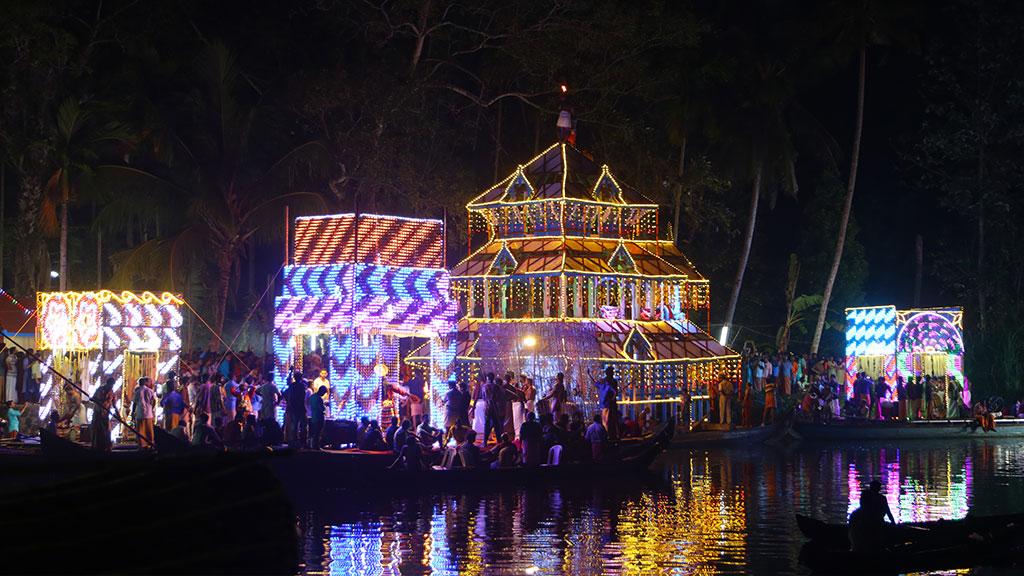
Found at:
(574, 275)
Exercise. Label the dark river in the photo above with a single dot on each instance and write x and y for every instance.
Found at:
(714, 511)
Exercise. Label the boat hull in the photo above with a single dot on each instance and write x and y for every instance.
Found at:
(921, 430)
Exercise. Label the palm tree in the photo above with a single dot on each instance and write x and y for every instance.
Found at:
(760, 125)
(76, 140)
(860, 25)
(210, 181)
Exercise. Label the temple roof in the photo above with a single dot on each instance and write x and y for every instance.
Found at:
(542, 178)
(554, 255)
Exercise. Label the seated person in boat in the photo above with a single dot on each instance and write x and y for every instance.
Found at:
(630, 428)
(428, 435)
(233, 432)
(373, 440)
(411, 456)
(389, 434)
(181, 432)
(505, 453)
(361, 430)
(403, 432)
(983, 418)
(468, 453)
(203, 434)
(866, 522)
(598, 437)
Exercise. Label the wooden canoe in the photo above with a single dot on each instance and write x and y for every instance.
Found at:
(914, 547)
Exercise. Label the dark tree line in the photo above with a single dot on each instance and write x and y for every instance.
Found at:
(156, 144)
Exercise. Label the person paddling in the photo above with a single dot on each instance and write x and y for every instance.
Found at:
(867, 521)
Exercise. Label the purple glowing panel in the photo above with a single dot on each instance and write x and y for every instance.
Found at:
(929, 331)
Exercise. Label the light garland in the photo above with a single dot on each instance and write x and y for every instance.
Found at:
(143, 327)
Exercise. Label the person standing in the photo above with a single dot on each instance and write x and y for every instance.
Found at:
(914, 393)
(901, 397)
(231, 395)
(769, 401)
(143, 403)
(11, 376)
(725, 393)
(103, 401)
(530, 397)
(478, 406)
(608, 396)
(452, 407)
(518, 408)
(416, 388)
(217, 402)
(173, 405)
(557, 396)
(786, 375)
(270, 397)
(318, 416)
(880, 392)
(463, 417)
(295, 410)
(495, 418)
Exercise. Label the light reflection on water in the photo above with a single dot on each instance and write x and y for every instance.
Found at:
(704, 512)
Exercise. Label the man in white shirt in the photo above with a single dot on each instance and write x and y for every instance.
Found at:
(322, 380)
(143, 406)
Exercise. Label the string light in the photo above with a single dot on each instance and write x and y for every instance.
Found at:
(587, 261)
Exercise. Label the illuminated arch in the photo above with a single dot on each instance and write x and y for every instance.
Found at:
(929, 331)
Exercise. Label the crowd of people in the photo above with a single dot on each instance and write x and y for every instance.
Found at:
(814, 386)
(231, 401)
(500, 421)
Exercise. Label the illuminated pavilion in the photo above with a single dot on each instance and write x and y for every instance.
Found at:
(574, 275)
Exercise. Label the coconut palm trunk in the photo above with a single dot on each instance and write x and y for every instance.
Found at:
(851, 184)
(748, 240)
(64, 243)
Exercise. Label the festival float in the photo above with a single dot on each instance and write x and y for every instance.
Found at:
(356, 287)
(885, 342)
(91, 336)
(575, 275)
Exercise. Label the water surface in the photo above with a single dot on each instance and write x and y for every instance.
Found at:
(711, 511)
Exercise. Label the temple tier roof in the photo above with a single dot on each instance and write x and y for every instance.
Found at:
(556, 255)
(560, 172)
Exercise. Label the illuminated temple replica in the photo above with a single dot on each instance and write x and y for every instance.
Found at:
(881, 340)
(574, 276)
(92, 336)
(358, 285)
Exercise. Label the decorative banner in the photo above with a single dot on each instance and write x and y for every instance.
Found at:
(407, 242)
(871, 331)
(76, 320)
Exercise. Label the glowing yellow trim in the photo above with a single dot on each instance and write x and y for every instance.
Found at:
(605, 172)
(104, 296)
(498, 203)
(565, 169)
(709, 359)
(512, 179)
(682, 277)
(575, 319)
(504, 180)
(869, 307)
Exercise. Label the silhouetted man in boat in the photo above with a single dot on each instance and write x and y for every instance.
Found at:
(866, 522)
